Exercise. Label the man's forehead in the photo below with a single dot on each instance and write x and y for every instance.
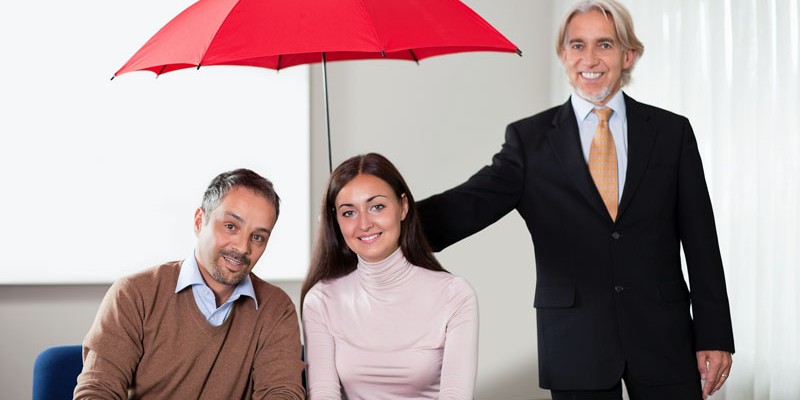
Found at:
(240, 208)
(595, 39)
(597, 32)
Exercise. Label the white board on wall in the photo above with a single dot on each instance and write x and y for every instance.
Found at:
(101, 178)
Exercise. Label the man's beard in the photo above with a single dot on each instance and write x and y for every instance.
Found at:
(217, 273)
(597, 98)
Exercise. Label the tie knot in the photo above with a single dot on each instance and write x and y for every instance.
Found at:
(603, 113)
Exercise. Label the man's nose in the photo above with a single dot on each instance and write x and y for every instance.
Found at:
(591, 56)
(241, 243)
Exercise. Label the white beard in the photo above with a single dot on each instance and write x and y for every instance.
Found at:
(595, 99)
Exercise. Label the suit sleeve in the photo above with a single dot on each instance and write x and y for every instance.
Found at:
(710, 308)
(113, 347)
(486, 197)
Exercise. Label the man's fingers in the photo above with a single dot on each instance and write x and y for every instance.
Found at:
(714, 367)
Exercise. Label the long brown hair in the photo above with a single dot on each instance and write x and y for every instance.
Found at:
(331, 257)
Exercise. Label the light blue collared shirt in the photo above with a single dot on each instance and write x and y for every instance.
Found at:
(204, 297)
(618, 124)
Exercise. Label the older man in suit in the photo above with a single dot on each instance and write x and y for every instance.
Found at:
(609, 189)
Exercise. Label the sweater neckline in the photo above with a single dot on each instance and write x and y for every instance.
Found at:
(390, 272)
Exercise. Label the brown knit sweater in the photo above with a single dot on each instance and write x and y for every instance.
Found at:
(157, 343)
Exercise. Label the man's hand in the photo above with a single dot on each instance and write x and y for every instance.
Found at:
(714, 367)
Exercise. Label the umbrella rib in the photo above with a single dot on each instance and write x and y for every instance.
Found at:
(214, 37)
(368, 18)
(414, 56)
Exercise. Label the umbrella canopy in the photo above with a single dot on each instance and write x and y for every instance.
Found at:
(282, 33)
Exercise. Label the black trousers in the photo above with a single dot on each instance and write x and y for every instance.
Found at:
(636, 391)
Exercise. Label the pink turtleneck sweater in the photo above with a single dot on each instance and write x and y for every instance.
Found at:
(391, 330)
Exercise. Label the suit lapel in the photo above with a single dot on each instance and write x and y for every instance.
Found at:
(641, 140)
(566, 143)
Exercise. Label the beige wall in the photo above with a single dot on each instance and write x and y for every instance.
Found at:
(439, 121)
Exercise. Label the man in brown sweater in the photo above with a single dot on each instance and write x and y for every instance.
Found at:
(205, 327)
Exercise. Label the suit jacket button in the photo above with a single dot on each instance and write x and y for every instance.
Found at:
(616, 235)
(618, 288)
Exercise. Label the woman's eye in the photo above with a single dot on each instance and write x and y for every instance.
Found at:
(348, 214)
(378, 207)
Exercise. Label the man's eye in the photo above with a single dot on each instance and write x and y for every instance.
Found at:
(577, 46)
(229, 226)
(258, 238)
(606, 45)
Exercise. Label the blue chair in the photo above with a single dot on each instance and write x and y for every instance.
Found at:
(55, 372)
(303, 374)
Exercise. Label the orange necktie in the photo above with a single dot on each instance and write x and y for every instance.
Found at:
(603, 162)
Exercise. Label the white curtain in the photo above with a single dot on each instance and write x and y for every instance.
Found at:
(731, 67)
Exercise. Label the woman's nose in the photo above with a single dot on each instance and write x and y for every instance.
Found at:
(364, 221)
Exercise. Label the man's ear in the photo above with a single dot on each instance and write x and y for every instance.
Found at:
(199, 214)
(629, 59)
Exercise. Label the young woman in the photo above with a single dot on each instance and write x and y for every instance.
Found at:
(382, 319)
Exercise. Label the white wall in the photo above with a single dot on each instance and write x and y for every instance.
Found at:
(138, 145)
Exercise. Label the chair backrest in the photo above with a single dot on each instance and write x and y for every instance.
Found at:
(303, 374)
(55, 372)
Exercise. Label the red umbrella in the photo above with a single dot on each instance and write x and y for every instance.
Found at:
(282, 33)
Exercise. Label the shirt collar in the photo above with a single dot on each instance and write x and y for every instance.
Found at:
(190, 275)
(583, 107)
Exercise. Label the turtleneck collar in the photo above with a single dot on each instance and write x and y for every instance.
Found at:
(392, 271)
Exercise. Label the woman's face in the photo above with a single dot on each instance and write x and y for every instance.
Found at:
(369, 215)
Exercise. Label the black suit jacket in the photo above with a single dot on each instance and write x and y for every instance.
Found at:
(609, 295)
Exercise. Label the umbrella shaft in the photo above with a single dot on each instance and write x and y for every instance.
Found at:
(327, 111)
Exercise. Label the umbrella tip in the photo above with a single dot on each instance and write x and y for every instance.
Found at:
(519, 52)
(198, 66)
(113, 76)
(383, 54)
